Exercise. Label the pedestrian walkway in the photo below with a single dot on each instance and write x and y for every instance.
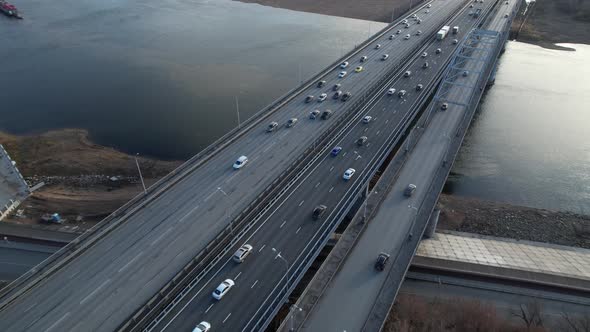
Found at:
(506, 257)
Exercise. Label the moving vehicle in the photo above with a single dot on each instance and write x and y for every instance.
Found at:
(336, 87)
(418, 33)
(455, 30)
(202, 327)
(407, 37)
(291, 122)
(391, 91)
(410, 189)
(362, 140)
(384, 57)
(318, 211)
(337, 94)
(344, 64)
(348, 174)
(322, 97)
(425, 65)
(241, 254)
(321, 84)
(240, 162)
(335, 151)
(455, 41)
(9, 10)
(477, 12)
(438, 51)
(381, 261)
(342, 74)
(271, 127)
(401, 93)
(326, 114)
(424, 54)
(367, 119)
(444, 106)
(314, 114)
(391, 37)
(442, 33)
(363, 58)
(378, 46)
(309, 98)
(223, 289)
(408, 73)
(346, 96)
(359, 69)
(419, 87)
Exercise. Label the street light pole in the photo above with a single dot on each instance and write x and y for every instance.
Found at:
(366, 202)
(413, 220)
(446, 150)
(238, 112)
(140, 176)
(286, 265)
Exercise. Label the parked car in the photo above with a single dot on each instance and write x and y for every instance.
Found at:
(241, 254)
(223, 289)
(410, 189)
(318, 211)
(381, 261)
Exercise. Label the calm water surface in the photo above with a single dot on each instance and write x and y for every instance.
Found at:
(157, 77)
(530, 142)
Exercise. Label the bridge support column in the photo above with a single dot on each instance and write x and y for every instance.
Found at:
(432, 222)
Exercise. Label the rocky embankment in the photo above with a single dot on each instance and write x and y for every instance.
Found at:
(516, 222)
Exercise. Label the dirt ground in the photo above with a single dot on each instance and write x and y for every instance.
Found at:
(516, 222)
(549, 22)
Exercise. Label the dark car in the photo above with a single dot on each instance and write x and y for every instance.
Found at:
(336, 150)
(318, 212)
(346, 96)
(326, 114)
(336, 87)
(309, 98)
(381, 261)
(361, 141)
(321, 84)
(337, 94)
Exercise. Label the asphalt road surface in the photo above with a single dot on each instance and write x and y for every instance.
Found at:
(289, 227)
(353, 291)
(103, 286)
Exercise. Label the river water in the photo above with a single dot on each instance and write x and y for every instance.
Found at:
(530, 141)
(158, 77)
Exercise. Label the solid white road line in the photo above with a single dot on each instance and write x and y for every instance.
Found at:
(161, 236)
(239, 274)
(95, 291)
(264, 245)
(209, 308)
(301, 202)
(189, 213)
(317, 185)
(226, 317)
(58, 321)
(283, 224)
(331, 168)
(331, 189)
(254, 284)
(130, 262)
(298, 229)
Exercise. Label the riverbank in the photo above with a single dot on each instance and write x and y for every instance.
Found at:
(548, 23)
(515, 222)
(84, 182)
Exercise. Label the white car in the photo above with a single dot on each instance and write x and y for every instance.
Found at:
(391, 91)
(342, 74)
(222, 289)
(429, 5)
(455, 41)
(424, 54)
(391, 37)
(401, 93)
(202, 327)
(367, 119)
(378, 46)
(322, 97)
(240, 162)
(398, 32)
(384, 57)
(348, 174)
(363, 58)
(407, 37)
(418, 33)
(344, 64)
(291, 122)
(242, 253)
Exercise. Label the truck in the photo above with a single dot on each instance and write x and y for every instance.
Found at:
(455, 30)
(442, 33)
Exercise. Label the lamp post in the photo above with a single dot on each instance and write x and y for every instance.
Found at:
(286, 265)
(238, 112)
(446, 150)
(140, 176)
(413, 220)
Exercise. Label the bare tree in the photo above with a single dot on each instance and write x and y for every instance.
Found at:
(576, 324)
(531, 314)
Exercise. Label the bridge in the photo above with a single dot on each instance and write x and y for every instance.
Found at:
(152, 264)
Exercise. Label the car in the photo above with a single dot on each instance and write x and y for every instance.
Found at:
(425, 65)
(348, 174)
(240, 162)
(471, 6)
(337, 94)
(344, 64)
(429, 5)
(413, 16)
(410, 189)
(359, 69)
(419, 87)
(378, 46)
(401, 93)
(346, 96)
(505, 15)
(326, 114)
(418, 33)
(391, 37)
(367, 119)
(398, 32)
(381, 261)
(408, 73)
(335, 151)
(202, 327)
(361, 140)
(419, 21)
(384, 57)
(424, 54)
(222, 289)
(404, 21)
(318, 211)
(291, 122)
(322, 97)
(336, 87)
(321, 84)
(407, 25)
(407, 37)
(342, 74)
(438, 51)
(391, 91)
(241, 254)
(309, 98)
(465, 73)
(271, 127)
(314, 114)
(427, 11)
(364, 58)
(455, 41)
(444, 106)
